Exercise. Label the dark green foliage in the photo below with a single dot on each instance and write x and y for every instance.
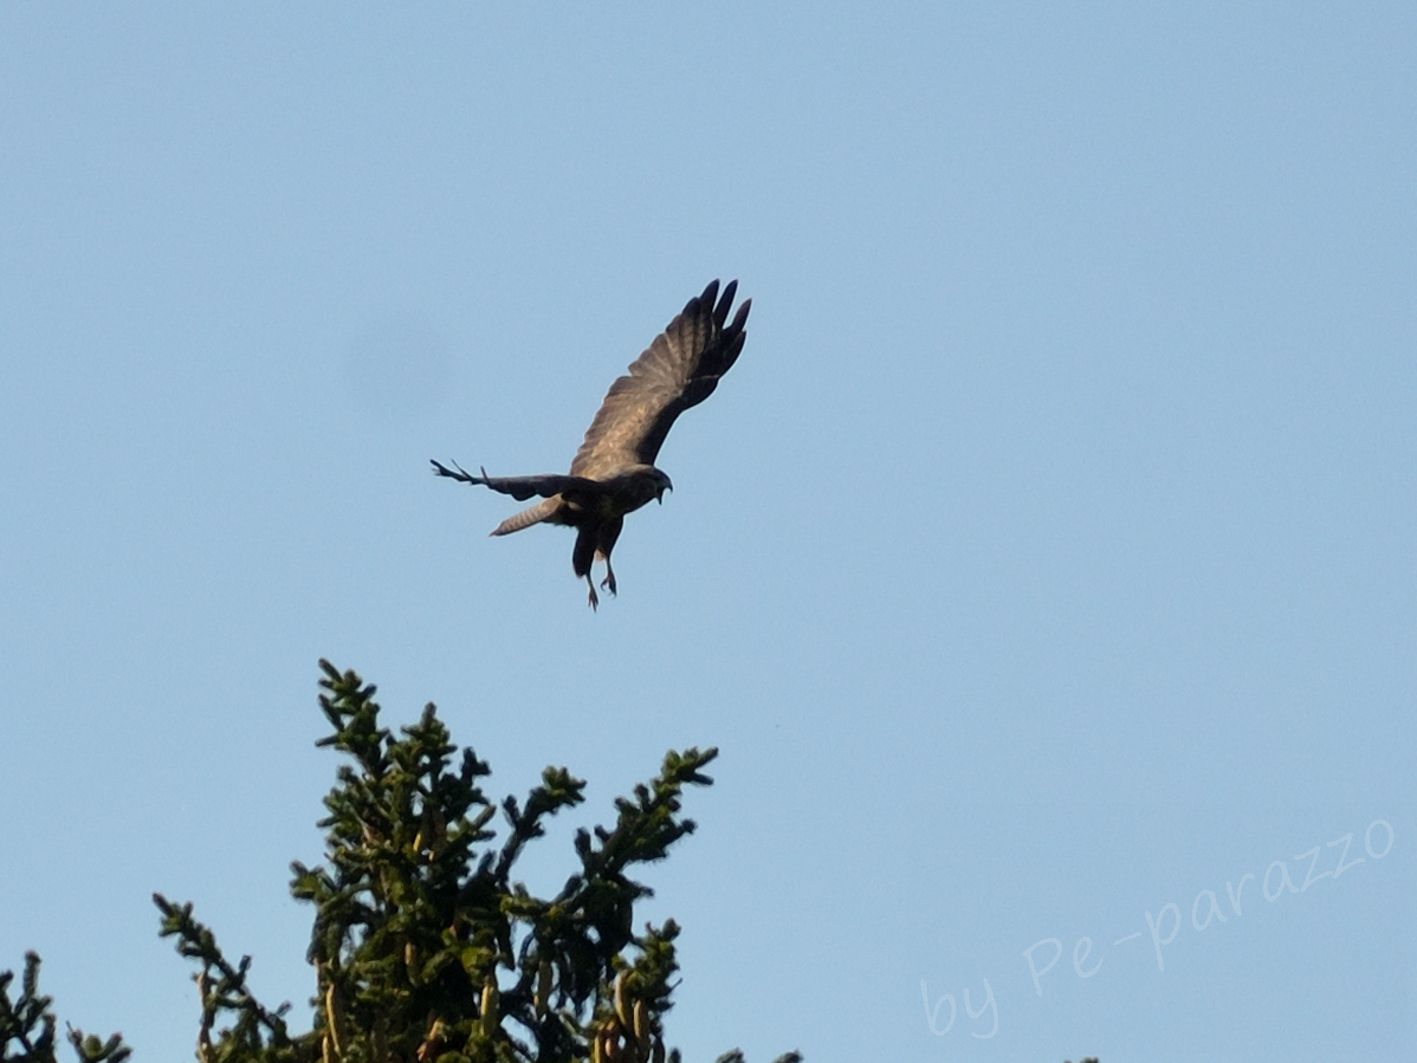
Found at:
(254, 1032)
(426, 947)
(27, 1025)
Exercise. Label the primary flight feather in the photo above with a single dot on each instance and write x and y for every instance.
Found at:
(614, 473)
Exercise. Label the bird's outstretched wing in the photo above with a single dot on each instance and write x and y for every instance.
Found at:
(678, 370)
(523, 487)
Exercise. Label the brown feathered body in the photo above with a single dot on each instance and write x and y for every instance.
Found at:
(614, 473)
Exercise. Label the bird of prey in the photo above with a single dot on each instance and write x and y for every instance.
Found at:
(614, 473)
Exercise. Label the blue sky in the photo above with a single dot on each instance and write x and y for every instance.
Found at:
(1044, 568)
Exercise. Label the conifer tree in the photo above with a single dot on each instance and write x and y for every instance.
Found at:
(426, 946)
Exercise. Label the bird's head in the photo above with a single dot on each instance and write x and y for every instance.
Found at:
(665, 484)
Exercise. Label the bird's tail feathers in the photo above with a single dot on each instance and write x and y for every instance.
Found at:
(533, 514)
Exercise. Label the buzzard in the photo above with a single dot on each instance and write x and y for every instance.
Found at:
(614, 472)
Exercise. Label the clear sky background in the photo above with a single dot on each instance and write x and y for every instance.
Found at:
(1044, 568)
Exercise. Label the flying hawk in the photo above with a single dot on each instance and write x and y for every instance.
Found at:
(614, 472)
